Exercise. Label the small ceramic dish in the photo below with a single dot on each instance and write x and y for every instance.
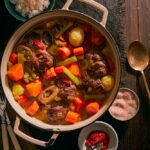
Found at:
(12, 10)
(125, 106)
(98, 126)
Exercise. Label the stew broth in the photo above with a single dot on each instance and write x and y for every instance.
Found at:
(59, 71)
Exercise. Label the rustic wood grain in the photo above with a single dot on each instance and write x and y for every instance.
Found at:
(137, 133)
(131, 32)
(144, 22)
(132, 20)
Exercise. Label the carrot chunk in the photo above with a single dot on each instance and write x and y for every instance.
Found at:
(16, 72)
(50, 73)
(72, 117)
(34, 88)
(59, 69)
(64, 52)
(79, 104)
(32, 109)
(74, 68)
(78, 51)
(92, 108)
(23, 100)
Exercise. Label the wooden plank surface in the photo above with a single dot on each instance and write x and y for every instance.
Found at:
(131, 33)
(144, 22)
(137, 135)
(132, 19)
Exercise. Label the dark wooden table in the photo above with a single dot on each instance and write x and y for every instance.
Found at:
(128, 20)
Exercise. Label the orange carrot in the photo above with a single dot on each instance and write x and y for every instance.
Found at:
(34, 88)
(50, 73)
(92, 108)
(16, 72)
(59, 69)
(72, 117)
(41, 115)
(79, 104)
(13, 58)
(74, 68)
(78, 51)
(22, 100)
(64, 52)
(32, 109)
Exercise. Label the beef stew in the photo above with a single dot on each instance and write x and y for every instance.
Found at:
(59, 72)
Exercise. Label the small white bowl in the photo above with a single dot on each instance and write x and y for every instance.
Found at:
(136, 98)
(98, 126)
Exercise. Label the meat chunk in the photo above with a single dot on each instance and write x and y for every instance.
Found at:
(43, 36)
(98, 66)
(66, 88)
(92, 86)
(67, 91)
(95, 86)
(29, 39)
(94, 57)
(57, 113)
(43, 62)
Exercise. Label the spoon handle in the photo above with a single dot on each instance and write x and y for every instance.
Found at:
(146, 84)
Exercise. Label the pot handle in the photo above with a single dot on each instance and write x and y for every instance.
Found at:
(94, 4)
(34, 140)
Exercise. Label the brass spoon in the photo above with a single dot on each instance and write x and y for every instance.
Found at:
(138, 59)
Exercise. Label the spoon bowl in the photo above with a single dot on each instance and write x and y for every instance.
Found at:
(138, 56)
(138, 59)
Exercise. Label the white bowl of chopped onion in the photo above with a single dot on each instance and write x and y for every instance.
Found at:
(126, 105)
